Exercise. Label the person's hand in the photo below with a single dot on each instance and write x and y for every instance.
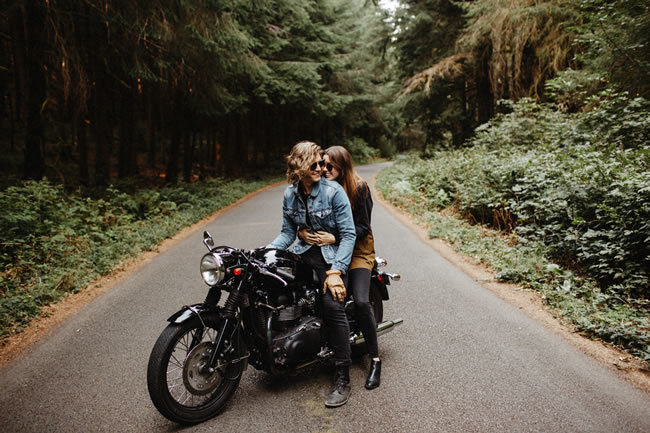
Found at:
(308, 236)
(324, 238)
(334, 284)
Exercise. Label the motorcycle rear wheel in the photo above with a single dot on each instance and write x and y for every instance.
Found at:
(179, 388)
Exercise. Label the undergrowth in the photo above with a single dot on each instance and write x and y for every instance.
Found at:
(567, 200)
(54, 243)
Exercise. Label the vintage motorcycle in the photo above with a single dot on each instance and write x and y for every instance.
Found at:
(270, 319)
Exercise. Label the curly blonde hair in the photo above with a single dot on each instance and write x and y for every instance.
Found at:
(300, 158)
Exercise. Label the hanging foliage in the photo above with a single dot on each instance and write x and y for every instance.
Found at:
(523, 42)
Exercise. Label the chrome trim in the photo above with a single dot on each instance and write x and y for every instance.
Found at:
(382, 328)
(380, 261)
(394, 277)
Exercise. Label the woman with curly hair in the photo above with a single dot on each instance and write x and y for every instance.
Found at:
(338, 167)
(321, 206)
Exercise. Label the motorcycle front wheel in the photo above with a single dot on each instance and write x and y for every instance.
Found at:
(180, 385)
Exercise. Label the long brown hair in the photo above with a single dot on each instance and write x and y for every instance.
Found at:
(348, 177)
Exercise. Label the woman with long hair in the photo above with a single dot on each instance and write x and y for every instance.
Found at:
(338, 167)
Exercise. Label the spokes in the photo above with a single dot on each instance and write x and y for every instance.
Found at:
(187, 381)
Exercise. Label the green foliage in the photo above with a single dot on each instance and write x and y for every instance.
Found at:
(570, 89)
(617, 37)
(54, 243)
(571, 189)
(360, 151)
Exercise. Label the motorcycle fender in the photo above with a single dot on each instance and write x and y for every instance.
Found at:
(188, 312)
(381, 285)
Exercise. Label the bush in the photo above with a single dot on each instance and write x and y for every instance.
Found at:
(360, 151)
(54, 243)
(574, 186)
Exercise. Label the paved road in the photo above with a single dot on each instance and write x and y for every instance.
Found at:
(464, 361)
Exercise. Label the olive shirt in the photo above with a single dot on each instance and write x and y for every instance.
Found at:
(363, 255)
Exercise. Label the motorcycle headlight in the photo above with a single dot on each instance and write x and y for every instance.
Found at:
(212, 268)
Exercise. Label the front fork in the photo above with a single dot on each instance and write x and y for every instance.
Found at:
(229, 313)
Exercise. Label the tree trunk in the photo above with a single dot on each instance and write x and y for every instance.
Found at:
(188, 153)
(229, 146)
(202, 156)
(243, 141)
(18, 52)
(127, 157)
(102, 126)
(28, 56)
(269, 135)
(485, 99)
(459, 123)
(151, 117)
(214, 151)
(82, 146)
(174, 147)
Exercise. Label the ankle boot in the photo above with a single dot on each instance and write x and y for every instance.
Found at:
(341, 390)
(374, 375)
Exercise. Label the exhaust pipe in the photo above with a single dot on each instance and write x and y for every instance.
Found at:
(327, 353)
(382, 328)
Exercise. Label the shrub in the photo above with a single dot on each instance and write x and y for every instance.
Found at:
(360, 151)
(54, 243)
(574, 186)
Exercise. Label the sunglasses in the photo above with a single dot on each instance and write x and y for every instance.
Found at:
(329, 166)
(320, 163)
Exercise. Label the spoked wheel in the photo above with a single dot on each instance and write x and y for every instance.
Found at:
(181, 385)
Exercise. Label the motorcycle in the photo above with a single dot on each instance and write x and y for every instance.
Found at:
(270, 319)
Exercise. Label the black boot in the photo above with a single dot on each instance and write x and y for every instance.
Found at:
(374, 375)
(341, 390)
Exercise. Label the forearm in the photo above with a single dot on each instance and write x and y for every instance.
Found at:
(344, 251)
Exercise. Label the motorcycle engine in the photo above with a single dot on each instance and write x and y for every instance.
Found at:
(298, 343)
(296, 330)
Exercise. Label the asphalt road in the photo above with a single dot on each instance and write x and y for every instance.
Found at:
(463, 361)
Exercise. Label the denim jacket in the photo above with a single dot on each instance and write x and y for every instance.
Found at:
(329, 210)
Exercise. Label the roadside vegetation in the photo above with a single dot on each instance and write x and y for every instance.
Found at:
(525, 126)
(555, 202)
(54, 243)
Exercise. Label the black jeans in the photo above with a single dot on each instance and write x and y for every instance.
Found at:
(359, 283)
(338, 329)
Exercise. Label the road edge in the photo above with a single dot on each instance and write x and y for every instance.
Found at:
(528, 301)
(55, 314)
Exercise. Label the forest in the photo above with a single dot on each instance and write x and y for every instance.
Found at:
(96, 90)
(527, 117)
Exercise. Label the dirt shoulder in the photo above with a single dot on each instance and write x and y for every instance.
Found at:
(529, 302)
(55, 314)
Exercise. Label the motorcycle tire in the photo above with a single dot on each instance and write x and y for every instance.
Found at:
(178, 388)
